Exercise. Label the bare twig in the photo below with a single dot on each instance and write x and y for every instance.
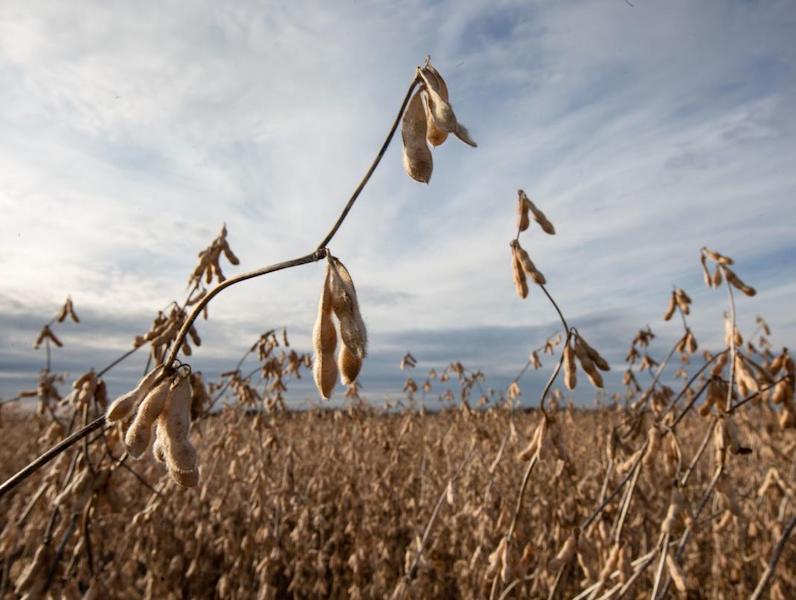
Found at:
(772, 563)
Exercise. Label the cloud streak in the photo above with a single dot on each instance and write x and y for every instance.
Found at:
(131, 133)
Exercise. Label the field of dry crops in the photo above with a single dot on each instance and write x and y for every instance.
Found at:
(679, 484)
(364, 505)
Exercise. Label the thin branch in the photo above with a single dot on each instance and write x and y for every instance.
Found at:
(376, 161)
(197, 309)
(772, 563)
(50, 454)
(616, 491)
(558, 310)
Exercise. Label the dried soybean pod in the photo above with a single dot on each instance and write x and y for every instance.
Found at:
(349, 365)
(670, 309)
(595, 356)
(566, 553)
(159, 450)
(464, 135)
(439, 108)
(433, 75)
(677, 574)
(434, 135)
(324, 336)
(523, 221)
(228, 252)
(140, 431)
(717, 278)
(683, 301)
(528, 266)
(717, 257)
(570, 369)
(587, 363)
(124, 405)
(520, 281)
(736, 282)
(417, 155)
(176, 419)
(346, 307)
(538, 215)
(186, 479)
(705, 272)
(691, 342)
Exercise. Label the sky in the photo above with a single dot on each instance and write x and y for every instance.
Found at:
(130, 132)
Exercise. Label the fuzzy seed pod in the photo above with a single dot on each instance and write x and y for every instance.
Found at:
(570, 369)
(187, 479)
(528, 266)
(587, 364)
(417, 155)
(670, 309)
(434, 135)
(787, 418)
(138, 435)
(439, 108)
(537, 441)
(495, 560)
(346, 308)
(538, 215)
(159, 450)
(523, 220)
(736, 282)
(228, 252)
(677, 574)
(566, 553)
(691, 343)
(124, 404)
(176, 421)
(717, 257)
(349, 365)
(520, 281)
(720, 442)
(654, 439)
(717, 278)
(324, 337)
(705, 271)
(441, 111)
(672, 523)
(595, 356)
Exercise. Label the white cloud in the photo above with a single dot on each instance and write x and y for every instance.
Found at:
(131, 132)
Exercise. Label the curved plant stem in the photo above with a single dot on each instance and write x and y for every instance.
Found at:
(197, 309)
(42, 460)
(376, 161)
(558, 310)
(772, 563)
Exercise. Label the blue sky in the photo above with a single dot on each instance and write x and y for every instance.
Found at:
(131, 132)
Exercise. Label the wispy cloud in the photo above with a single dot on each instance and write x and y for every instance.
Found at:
(130, 133)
